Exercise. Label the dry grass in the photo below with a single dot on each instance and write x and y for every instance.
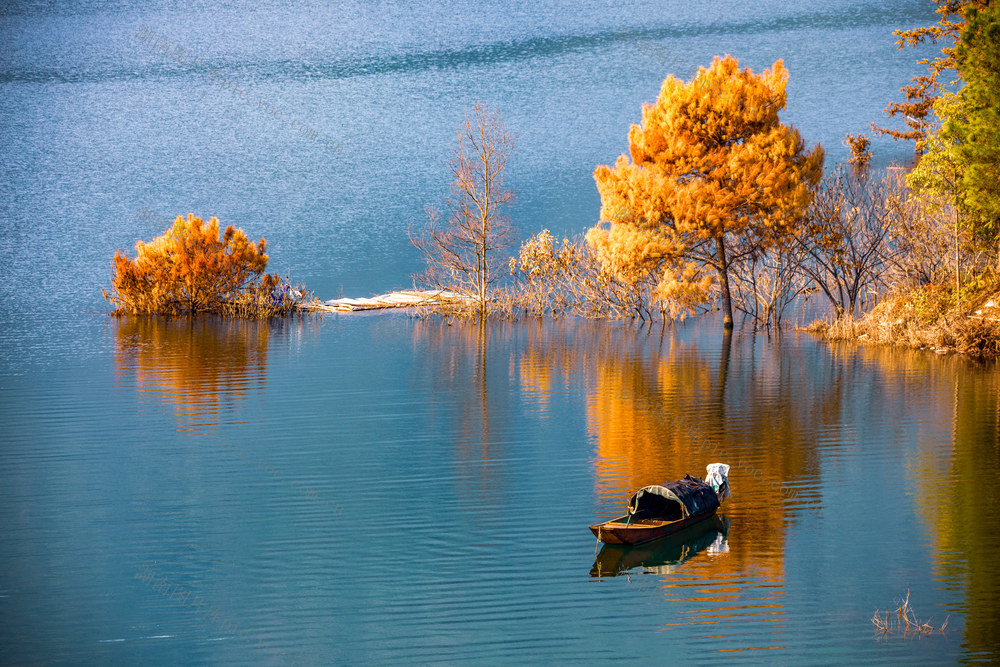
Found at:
(268, 299)
(501, 305)
(903, 620)
(934, 317)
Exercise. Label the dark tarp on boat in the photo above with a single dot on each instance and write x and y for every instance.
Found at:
(673, 500)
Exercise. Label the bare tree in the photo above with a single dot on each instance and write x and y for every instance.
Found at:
(766, 282)
(928, 241)
(461, 252)
(851, 240)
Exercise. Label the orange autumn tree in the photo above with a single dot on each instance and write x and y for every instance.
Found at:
(712, 178)
(189, 269)
(924, 90)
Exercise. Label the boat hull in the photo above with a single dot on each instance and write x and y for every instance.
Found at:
(661, 556)
(623, 531)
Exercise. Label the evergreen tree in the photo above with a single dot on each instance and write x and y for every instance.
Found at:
(924, 90)
(712, 177)
(975, 131)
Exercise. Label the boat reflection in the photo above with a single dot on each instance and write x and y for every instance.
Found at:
(665, 555)
(660, 406)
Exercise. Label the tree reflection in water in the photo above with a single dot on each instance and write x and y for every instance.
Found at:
(653, 404)
(470, 383)
(202, 366)
(659, 407)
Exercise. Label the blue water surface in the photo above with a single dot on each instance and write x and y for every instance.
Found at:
(383, 488)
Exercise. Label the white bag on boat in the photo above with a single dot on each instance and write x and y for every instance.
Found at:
(718, 478)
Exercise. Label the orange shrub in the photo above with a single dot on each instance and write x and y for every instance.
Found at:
(188, 270)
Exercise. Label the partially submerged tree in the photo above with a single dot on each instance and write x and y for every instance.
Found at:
(712, 177)
(851, 237)
(768, 282)
(462, 251)
(189, 269)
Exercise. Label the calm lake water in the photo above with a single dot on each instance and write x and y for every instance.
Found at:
(379, 488)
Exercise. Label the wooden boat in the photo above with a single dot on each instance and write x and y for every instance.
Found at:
(665, 555)
(663, 509)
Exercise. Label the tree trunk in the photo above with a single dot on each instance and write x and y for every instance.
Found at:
(727, 302)
(957, 283)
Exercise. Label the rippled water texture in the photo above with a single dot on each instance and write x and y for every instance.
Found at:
(380, 488)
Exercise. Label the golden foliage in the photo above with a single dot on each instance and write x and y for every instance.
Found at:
(711, 163)
(925, 89)
(860, 147)
(189, 269)
(555, 278)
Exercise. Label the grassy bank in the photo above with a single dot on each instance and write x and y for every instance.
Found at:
(932, 317)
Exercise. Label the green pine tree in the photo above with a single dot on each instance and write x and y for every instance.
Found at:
(975, 131)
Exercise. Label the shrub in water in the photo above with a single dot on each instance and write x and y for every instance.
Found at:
(189, 269)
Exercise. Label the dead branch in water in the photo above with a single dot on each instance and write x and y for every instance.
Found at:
(903, 620)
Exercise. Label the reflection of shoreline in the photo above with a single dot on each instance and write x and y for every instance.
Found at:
(460, 353)
(196, 364)
(665, 555)
(966, 455)
(660, 405)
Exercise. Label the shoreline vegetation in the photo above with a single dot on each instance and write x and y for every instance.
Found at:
(927, 318)
(948, 296)
(716, 205)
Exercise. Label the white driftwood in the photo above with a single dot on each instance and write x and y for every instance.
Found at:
(402, 299)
